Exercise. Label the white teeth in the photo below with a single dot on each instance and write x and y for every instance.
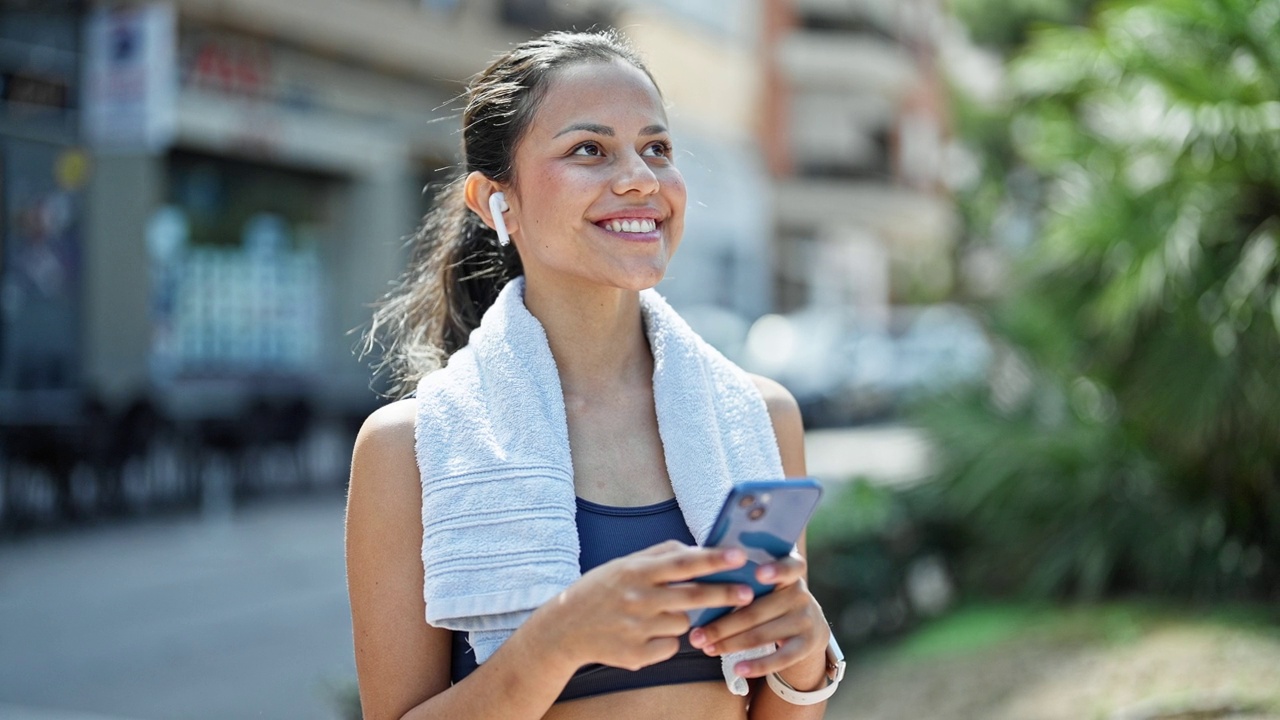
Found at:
(641, 225)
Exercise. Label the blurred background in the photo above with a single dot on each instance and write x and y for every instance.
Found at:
(1017, 260)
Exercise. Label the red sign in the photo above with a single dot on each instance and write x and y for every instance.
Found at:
(235, 66)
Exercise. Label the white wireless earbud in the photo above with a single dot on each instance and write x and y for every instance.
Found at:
(497, 206)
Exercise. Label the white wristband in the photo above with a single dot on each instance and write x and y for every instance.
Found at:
(835, 673)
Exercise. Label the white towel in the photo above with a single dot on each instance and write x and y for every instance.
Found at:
(492, 442)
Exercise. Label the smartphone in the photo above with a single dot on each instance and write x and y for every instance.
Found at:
(764, 518)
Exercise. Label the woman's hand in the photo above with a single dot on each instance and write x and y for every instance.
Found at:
(631, 611)
(788, 616)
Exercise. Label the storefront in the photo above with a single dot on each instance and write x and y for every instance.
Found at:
(42, 179)
(262, 227)
(196, 221)
(236, 281)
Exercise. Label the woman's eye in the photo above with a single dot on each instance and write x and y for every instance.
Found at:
(658, 149)
(589, 149)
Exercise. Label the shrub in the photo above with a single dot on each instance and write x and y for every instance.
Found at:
(1130, 439)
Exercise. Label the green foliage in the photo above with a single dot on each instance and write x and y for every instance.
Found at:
(977, 626)
(1055, 499)
(1007, 23)
(862, 544)
(856, 511)
(969, 629)
(1137, 445)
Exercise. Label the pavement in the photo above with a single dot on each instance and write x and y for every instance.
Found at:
(236, 617)
(243, 615)
(884, 454)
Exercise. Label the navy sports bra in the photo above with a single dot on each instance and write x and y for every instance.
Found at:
(604, 533)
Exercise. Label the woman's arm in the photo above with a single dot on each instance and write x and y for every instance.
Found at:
(790, 611)
(625, 613)
(402, 663)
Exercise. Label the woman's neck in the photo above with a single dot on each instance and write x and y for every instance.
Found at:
(596, 335)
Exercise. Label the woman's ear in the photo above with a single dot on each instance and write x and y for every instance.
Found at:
(477, 190)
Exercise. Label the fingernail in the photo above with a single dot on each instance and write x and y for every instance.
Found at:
(745, 594)
(768, 572)
(741, 669)
(734, 555)
(697, 637)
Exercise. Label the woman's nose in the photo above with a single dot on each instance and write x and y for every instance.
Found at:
(635, 175)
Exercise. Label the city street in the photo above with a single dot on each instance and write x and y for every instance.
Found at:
(234, 617)
(178, 618)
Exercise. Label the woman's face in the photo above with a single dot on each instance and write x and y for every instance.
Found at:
(597, 196)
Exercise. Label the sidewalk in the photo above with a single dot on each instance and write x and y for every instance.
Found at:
(241, 617)
(888, 454)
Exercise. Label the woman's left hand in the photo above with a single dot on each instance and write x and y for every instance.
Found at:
(788, 616)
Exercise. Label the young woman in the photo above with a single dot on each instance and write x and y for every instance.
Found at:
(571, 129)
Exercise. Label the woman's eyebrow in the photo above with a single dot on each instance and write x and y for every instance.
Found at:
(606, 130)
(589, 127)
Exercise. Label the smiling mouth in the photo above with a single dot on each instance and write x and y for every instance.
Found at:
(636, 226)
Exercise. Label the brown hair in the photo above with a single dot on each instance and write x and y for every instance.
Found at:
(456, 267)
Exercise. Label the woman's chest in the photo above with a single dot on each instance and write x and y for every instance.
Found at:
(617, 451)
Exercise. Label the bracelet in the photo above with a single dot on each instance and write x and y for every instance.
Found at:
(835, 673)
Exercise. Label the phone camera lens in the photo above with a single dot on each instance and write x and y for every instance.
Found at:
(747, 500)
(756, 513)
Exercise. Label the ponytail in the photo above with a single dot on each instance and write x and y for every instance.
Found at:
(456, 270)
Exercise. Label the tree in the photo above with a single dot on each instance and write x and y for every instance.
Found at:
(1139, 446)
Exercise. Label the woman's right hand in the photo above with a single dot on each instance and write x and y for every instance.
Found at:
(631, 611)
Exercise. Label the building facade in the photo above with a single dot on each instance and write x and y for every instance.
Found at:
(856, 134)
(238, 240)
(43, 178)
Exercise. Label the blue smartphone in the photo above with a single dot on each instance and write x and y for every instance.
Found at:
(764, 518)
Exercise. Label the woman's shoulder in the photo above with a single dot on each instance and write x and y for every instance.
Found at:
(788, 426)
(781, 403)
(391, 422)
(385, 441)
